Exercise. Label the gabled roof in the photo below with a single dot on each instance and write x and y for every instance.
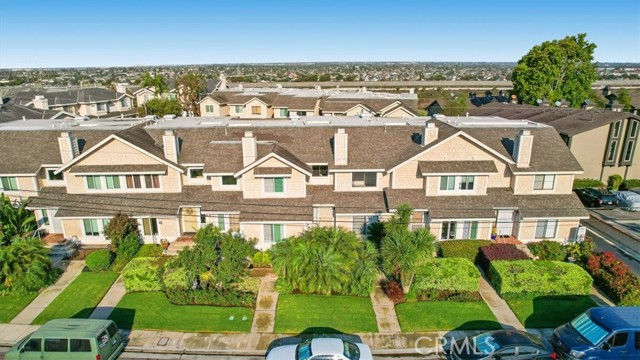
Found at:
(295, 102)
(215, 97)
(281, 154)
(136, 137)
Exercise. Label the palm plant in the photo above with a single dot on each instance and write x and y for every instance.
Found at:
(24, 265)
(402, 250)
(14, 221)
(157, 82)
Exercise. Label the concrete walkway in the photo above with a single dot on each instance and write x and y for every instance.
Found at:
(110, 300)
(498, 306)
(45, 298)
(264, 317)
(385, 311)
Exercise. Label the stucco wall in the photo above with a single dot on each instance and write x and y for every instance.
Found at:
(528, 230)
(294, 186)
(523, 184)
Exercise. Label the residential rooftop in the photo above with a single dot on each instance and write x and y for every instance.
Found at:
(116, 124)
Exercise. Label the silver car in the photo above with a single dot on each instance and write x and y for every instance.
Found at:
(321, 349)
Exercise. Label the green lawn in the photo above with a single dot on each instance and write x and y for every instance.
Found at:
(445, 315)
(550, 311)
(324, 314)
(11, 305)
(152, 311)
(79, 298)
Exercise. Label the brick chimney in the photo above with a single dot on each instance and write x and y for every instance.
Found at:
(429, 134)
(522, 147)
(171, 146)
(68, 144)
(340, 147)
(40, 102)
(249, 148)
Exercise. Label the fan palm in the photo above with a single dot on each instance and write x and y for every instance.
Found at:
(24, 265)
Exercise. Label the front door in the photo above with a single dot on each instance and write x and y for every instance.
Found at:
(504, 221)
(150, 229)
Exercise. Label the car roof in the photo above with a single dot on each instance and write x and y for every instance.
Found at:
(513, 337)
(619, 317)
(72, 328)
(327, 346)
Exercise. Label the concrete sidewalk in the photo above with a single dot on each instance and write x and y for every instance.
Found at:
(499, 307)
(110, 300)
(264, 317)
(385, 311)
(28, 314)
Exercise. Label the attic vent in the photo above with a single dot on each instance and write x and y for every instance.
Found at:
(240, 125)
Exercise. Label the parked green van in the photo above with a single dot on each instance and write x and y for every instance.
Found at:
(72, 339)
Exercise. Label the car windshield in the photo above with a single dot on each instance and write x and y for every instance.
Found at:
(351, 351)
(304, 350)
(485, 344)
(589, 330)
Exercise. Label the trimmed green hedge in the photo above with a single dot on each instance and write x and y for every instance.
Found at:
(587, 183)
(630, 184)
(99, 260)
(143, 274)
(149, 250)
(548, 250)
(527, 279)
(467, 249)
(454, 274)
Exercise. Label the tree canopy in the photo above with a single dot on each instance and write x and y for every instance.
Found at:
(15, 222)
(190, 87)
(556, 70)
(161, 107)
(157, 82)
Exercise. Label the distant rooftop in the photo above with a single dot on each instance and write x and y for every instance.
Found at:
(70, 124)
(332, 94)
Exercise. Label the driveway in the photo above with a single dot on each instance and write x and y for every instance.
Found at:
(626, 221)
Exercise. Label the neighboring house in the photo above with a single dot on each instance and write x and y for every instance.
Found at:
(367, 104)
(11, 112)
(90, 102)
(147, 93)
(465, 177)
(604, 142)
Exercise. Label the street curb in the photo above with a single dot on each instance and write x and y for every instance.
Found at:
(614, 226)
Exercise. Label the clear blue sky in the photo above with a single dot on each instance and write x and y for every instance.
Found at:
(49, 33)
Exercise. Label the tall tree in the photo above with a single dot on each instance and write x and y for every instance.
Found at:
(24, 265)
(157, 82)
(556, 70)
(160, 107)
(15, 222)
(190, 87)
(625, 99)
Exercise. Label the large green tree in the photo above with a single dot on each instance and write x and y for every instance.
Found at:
(190, 87)
(556, 70)
(161, 107)
(157, 82)
(24, 266)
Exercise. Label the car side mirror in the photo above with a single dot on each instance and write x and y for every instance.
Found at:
(606, 347)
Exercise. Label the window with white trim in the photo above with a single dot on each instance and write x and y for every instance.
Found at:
(284, 112)
(544, 182)
(149, 226)
(274, 185)
(142, 181)
(9, 183)
(124, 102)
(273, 233)
(93, 182)
(102, 106)
(45, 216)
(239, 109)
(546, 229)
(223, 221)
(208, 108)
(630, 143)
(364, 179)
(196, 174)
(91, 227)
(614, 139)
(448, 231)
(229, 180)
(319, 170)
(361, 223)
(112, 181)
(256, 110)
(52, 176)
(455, 183)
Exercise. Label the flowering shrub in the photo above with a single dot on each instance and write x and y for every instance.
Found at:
(499, 252)
(615, 278)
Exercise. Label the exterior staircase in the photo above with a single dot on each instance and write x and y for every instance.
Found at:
(59, 251)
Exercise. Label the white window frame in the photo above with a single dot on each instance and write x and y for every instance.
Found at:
(321, 176)
(226, 186)
(454, 183)
(364, 180)
(209, 108)
(11, 187)
(545, 182)
(269, 227)
(102, 181)
(238, 109)
(545, 225)
(49, 179)
(99, 227)
(196, 180)
(449, 228)
(273, 193)
(284, 112)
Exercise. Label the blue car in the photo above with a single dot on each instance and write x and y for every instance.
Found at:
(600, 333)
